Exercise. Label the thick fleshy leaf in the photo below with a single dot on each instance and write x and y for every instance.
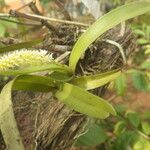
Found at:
(34, 83)
(17, 46)
(103, 24)
(53, 66)
(95, 81)
(84, 102)
(8, 123)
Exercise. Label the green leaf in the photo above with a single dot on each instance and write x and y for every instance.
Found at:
(142, 41)
(103, 24)
(133, 118)
(95, 135)
(140, 81)
(145, 18)
(141, 144)
(120, 108)
(8, 123)
(34, 83)
(2, 30)
(139, 32)
(120, 84)
(146, 114)
(61, 76)
(53, 66)
(125, 140)
(147, 50)
(146, 127)
(95, 81)
(84, 102)
(17, 46)
(10, 25)
(119, 127)
(145, 65)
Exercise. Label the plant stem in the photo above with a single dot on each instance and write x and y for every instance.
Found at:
(34, 17)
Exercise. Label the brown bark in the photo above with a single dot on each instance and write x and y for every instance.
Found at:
(46, 123)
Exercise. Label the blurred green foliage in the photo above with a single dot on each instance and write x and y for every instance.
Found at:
(130, 130)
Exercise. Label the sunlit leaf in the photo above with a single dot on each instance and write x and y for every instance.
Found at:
(34, 83)
(53, 66)
(84, 102)
(94, 81)
(8, 123)
(103, 24)
(17, 46)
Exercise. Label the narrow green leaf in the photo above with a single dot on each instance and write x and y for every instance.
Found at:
(84, 102)
(34, 83)
(17, 46)
(120, 84)
(8, 123)
(95, 81)
(53, 66)
(103, 24)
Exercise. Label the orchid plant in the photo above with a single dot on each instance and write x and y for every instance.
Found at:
(24, 65)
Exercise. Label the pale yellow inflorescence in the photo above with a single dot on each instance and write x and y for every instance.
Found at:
(24, 57)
